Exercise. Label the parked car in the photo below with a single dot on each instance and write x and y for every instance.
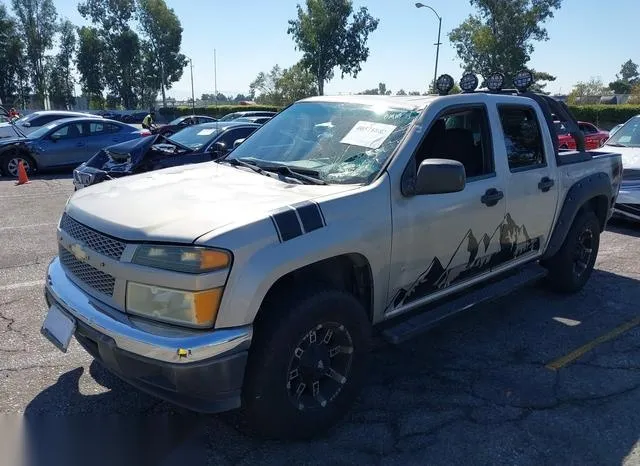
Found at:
(193, 144)
(133, 118)
(254, 113)
(255, 281)
(62, 143)
(593, 137)
(626, 140)
(36, 120)
(181, 122)
(261, 120)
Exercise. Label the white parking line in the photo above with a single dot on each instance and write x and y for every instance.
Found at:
(17, 286)
(34, 225)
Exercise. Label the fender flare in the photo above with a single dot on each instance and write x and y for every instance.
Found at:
(583, 190)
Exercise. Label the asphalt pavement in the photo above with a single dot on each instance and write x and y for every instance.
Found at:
(489, 387)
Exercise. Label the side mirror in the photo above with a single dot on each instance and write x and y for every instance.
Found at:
(219, 149)
(237, 142)
(440, 176)
(26, 124)
(54, 137)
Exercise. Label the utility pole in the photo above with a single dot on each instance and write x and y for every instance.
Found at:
(438, 44)
(193, 99)
(215, 79)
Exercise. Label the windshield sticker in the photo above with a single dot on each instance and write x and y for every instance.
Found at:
(206, 132)
(624, 139)
(368, 134)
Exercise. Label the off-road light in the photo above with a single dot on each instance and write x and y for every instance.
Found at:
(469, 82)
(444, 84)
(522, 80)
(495, 82)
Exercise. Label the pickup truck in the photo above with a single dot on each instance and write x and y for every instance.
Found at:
(256, 283)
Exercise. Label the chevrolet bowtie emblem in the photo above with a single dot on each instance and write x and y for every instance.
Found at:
(79, 253)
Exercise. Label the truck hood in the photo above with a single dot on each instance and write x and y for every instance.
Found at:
(630, 156)
(180, 204)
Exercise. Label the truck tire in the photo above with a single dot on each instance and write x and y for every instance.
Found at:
(306, 365)
(570, 268)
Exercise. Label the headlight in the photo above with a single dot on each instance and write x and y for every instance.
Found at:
(193, 308)
(186, 259)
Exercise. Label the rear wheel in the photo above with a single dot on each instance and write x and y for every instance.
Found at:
(573, 264)
(307, 364)
(11, 161)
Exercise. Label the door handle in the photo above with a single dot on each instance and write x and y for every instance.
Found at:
(492, 197)
(545, 184)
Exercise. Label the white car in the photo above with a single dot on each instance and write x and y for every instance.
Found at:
(31, 122)
(626, 141)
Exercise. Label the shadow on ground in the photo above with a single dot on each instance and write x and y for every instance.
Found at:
(624, 227)
(473, 391)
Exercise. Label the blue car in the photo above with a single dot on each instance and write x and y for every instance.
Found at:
(63, 143)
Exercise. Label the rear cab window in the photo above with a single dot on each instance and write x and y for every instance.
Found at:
(522, 137)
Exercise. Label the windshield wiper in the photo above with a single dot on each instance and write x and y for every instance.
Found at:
(298, 174)
(242, 163)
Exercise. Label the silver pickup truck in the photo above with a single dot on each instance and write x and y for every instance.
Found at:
(254, 283)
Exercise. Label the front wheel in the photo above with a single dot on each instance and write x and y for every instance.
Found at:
(571, 267)
(11, 161)
(306, 365)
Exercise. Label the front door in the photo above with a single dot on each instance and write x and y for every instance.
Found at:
(64, 146)
(532, 190)
(443, 240)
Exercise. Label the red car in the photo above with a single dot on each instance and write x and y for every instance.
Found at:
(593, 136)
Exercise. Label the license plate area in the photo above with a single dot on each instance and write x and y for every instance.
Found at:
(58, 327)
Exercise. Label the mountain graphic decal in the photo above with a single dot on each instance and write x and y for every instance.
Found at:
(471, 258)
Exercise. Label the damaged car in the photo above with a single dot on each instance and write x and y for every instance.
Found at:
(193, 144)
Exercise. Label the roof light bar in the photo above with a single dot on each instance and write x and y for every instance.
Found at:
(523, 80)
(469, 82)
(444, 84)
(495, 82)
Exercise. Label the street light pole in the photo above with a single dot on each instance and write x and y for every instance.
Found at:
(193, 99)
(435, 73)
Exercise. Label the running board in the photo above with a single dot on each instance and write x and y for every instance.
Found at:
(425, 320)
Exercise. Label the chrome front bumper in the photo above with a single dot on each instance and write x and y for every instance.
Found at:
(138, 336)
(628, 201)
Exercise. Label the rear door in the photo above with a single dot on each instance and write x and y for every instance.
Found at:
(532, 185)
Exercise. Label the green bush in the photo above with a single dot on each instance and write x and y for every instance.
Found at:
(211, 110)
(604, 116)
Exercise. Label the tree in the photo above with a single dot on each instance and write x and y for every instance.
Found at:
(401, 92)
(90, 61)
(163, 32)
(592, 88)
(61, 81)
(500, 37)
(38, 26)
(13, 78)
(328, 40)
(626, 79)
(414, 92)
(283, 86)
(121, 55)
(296, 83)
(380, 90)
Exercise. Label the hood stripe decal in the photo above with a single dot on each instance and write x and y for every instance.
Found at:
(298, 219)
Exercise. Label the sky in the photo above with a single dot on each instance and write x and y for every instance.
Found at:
(587, 38)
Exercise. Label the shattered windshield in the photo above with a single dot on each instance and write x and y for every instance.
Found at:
(344, 143)
(628, 135)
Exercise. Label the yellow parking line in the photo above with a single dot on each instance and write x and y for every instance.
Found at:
(577, 353)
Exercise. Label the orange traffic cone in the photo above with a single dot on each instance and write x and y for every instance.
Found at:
(22, 174)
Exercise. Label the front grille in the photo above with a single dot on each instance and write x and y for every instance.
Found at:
(630, 174)
(90, 276)
(98, 242)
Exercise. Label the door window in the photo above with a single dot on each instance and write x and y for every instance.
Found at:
(587, 129)
(70, 131)
(232, 135)
(522, 137)
(461, 134)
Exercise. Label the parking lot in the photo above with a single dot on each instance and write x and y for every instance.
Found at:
(488, 387)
